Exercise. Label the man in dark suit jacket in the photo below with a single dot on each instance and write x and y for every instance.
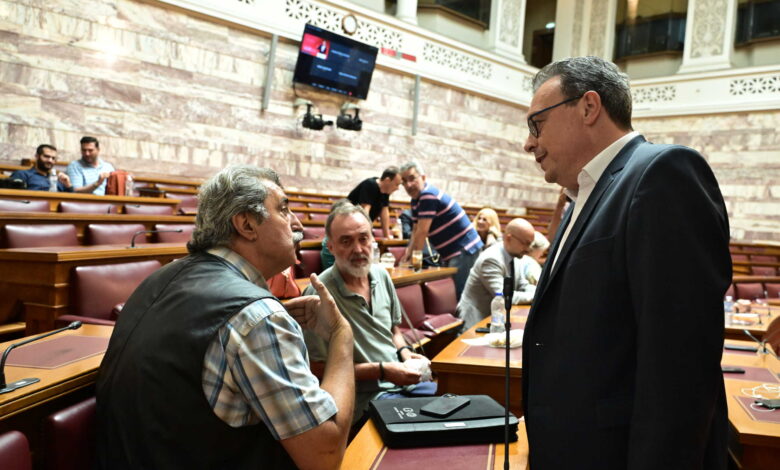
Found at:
(622, 348)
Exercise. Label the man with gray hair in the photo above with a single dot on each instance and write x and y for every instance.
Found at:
(439, 217)
(206, 369)
(366, 297)
(603, 371)
(486, 278)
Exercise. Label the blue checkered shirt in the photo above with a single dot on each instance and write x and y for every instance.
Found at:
(257, 367)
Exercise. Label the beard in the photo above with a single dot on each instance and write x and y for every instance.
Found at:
(355, 270)
(43, 166)
(297, 237)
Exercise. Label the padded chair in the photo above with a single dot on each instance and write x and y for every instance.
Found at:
(772, 289)
(11, 205)
(411, 298)
(763, 258)
(70, 437)
(730, 291)
(398, 252)
(772, 335)
(378, 233)
(148, 209)
(439, 297)
(174, 237)
(739, 257)
(313, 233)
(320, 205)
(112, 234)
(189, 202)
(86, 207)
(762, 270)
(749, 290)
(15, 451)
(35, 235)
(318, 216)
(96, 290)
(310, 263)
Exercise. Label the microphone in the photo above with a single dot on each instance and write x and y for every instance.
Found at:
(763, 349)
(5, 388)
(509, 290)
(132, 240)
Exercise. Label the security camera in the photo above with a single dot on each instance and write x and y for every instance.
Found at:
(314, 121)
(348, 121)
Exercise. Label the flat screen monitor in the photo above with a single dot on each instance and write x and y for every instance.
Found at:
(334, 63)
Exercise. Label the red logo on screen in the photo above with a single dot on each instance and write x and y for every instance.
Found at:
(315, 46)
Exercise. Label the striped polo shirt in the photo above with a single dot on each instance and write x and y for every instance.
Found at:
(451, 229)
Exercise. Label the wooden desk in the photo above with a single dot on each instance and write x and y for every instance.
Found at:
(363, 451)
(82, 220)
(754, 445)
(54, 382)
(737, 332)
(40, 277)
(405, 276)
(465, 375)
(55, 198)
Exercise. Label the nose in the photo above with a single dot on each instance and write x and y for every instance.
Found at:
(530, 143)
(295, 223)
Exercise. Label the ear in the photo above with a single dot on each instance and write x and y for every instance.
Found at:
(592, 107)
(245, 224)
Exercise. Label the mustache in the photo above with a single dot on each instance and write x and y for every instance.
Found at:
(354, 258)
(297, 236)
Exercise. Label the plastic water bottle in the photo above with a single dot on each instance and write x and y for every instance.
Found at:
(497, 314)
(129, 185)
(728, 309)
(53, 180)
(375, 255)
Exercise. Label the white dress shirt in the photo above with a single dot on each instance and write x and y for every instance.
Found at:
(587, 179)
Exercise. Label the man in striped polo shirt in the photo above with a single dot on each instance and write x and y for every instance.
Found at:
(437, 216)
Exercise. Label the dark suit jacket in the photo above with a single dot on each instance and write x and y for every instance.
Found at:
(622, 348)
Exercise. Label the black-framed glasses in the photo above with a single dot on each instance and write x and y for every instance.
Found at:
(533, 126)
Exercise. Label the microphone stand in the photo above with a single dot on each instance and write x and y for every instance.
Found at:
(5, 388)
(509, 289)
(132, 240)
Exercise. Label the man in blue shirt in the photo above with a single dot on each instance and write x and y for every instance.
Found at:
(37, 177)
(437, 216)
(89, 174)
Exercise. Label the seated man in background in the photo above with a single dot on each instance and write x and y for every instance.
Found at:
(366, 297)
(37, 177)
(206, 369)
(487, 275)
(438, 216)
(89, 174)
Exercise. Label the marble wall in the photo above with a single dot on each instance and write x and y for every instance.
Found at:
(171, 93)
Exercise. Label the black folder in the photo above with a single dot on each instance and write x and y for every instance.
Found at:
(401, 424)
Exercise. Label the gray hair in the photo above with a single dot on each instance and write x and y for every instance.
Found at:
(344, 207)
(582, 74)
(234, 190)
(540, 242)
(409, 165)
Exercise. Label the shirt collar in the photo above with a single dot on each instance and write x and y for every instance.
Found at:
(241, 264)
(593, 170)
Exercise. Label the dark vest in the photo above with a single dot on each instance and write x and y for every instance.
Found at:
(151, 410)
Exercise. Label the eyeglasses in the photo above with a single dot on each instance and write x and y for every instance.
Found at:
(533, 126)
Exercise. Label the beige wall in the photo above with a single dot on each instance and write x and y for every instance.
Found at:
(181, 96)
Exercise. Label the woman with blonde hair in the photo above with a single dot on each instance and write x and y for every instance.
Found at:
(487, 226)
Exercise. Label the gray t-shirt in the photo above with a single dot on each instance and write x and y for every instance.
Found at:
(372, 327)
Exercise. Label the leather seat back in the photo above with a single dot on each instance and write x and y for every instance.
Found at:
(35, 235)
(70, 437)
(95, 290)
(113, 234)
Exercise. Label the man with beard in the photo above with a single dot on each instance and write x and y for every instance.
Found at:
(89, 174)
(366, 297)
(206, 369)
(37, 177)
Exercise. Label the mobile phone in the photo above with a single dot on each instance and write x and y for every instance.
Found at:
(771, 403)
(732, 370)
(444, 405)
(739, 347)
(482, 329)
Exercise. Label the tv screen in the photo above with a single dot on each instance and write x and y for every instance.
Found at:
(334, 63)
